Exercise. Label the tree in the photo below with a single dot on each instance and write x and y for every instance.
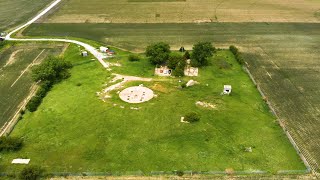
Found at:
(202, 51)
(186, 55)
(53, 69)
(158, 53)
(174, 60)
(10, 144)
(31, 173)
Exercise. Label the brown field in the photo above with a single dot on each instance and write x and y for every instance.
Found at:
(185, 11)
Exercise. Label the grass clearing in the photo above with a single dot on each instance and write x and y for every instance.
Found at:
(15, 85)
(74, 131)
(184, 11)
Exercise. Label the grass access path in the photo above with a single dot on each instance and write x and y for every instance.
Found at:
(74, 131)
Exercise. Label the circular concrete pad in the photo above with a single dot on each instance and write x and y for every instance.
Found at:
(136, 94)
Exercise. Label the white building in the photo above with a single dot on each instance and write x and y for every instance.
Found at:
(103, 49)
(84, 53)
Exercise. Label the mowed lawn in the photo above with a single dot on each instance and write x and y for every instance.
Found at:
(74, 131)
(283, 57)
(14, 12)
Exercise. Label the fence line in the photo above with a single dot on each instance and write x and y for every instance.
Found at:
(292, 141)
(9, 125)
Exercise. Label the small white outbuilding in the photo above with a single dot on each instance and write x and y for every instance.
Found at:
(103, 49)
(227, 89)
(84, 53)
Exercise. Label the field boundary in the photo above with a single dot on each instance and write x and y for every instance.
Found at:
(286, 131)
(9, 125)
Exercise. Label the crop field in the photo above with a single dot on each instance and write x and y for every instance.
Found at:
(15, 65)
(185, 11)
(14, 12)
(75, 131)
(283, 57)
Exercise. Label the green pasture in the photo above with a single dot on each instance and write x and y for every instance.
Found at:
(74, 131)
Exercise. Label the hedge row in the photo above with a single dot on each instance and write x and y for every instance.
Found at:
(237, 54)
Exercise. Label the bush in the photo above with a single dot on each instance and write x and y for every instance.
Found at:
(31, 173)
(36, 100)
(192, 117)
(34, 103)
(158, 53)
(180, 173)
(234, 50)
(134, 57)
(237, 54)
(10, 144)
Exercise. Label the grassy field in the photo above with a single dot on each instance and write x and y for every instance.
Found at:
(14, 12)
(183, 11)
(74, 131)
(15, 74)
(287, 51)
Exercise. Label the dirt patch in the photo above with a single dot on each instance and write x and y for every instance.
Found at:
(206, 105)
(160, 88)
(12, 58)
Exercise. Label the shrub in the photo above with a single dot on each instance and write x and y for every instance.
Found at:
(180, 173)
(184, 85)
(10, 144)
(192, 117)
(158, 53)
(202, 51)
(34, 103)
(134, 57)
(31, 173)
(233, 49)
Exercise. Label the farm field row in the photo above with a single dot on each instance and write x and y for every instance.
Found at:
(15, 12)
(182, 11)
(283, 57)
(75, 131)
(15, 60)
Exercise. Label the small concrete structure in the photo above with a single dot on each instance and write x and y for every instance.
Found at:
(227, 89)
(20, 161)
(191, 83)
(84, 53)
(163, 71)
(191, 71)
(136, 94)
(103, 49)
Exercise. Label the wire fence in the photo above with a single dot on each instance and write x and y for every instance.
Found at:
(292, 141)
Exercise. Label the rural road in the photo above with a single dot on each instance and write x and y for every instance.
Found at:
(88, 47)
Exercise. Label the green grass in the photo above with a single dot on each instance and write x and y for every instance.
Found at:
(14, 91)
(15, 12)
(74, 131)
(288, 51)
